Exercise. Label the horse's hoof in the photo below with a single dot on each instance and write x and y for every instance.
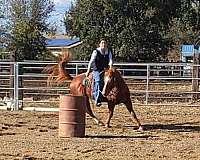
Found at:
(100, 123)
(107, 126)
(140, 128)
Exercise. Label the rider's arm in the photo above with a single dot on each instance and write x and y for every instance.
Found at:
(110, 60)
(91, 62)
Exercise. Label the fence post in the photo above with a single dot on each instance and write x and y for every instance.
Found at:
(195, 75)
(147, 87)
(16, 86)
(11, 82)
(76, 69)
(195, 83)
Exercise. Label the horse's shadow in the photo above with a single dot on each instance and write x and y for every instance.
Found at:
(116, 136)
(175, 127)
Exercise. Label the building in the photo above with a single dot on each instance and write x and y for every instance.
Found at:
(59, 45)
(187, 52)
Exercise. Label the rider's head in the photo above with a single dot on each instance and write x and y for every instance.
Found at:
(103, 44)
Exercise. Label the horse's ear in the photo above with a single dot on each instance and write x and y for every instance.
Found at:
(115, 69)
(111, 69)
(118, 71)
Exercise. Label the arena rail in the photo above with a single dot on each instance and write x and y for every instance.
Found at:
(23, 85)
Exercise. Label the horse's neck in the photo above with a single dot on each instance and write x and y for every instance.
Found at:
(119, 83)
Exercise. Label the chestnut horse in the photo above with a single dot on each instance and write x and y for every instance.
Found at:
(115, 90)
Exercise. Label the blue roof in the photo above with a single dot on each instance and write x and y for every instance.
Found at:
(61, 42)
(187, 50)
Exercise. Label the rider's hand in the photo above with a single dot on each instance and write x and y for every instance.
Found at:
(87, 73)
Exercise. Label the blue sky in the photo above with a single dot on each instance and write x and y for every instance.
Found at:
(60, 8)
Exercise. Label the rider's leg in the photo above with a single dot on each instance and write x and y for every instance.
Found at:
(97, 85)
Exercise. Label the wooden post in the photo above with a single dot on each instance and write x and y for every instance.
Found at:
(195, 75)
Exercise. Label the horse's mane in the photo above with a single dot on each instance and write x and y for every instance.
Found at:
(117, 74)
(120, 80)
(57, 73)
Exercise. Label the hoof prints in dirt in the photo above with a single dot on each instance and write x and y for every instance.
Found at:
(12, 125)
(19, 156)
(4, 128)
(44, 128)
(7, 133)
(27, 157)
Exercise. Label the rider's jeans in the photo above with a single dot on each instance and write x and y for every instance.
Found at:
(98, 86)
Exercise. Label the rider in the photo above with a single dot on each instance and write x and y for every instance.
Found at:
(100, 59)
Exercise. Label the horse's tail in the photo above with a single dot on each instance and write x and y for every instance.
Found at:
(57, 73)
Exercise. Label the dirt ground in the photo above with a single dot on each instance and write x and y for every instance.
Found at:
(169, 133)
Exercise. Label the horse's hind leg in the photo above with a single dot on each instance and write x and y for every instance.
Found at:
(129, 106)
(89, 111)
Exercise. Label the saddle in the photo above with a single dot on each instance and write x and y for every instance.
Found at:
(88, 84)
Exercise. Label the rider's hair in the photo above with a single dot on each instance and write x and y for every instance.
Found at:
(103, 39)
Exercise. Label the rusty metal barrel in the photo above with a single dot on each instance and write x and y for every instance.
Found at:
(72, 116)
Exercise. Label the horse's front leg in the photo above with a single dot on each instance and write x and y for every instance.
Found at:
(90, 112)
(110, 114)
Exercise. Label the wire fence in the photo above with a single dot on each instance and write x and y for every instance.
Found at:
(24, 84)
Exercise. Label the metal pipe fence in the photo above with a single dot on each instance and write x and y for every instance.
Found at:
(24, 84)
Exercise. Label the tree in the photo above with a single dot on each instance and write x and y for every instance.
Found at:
(184, 26)
(132, 27)
(28, 25)
(138, 30)
(1, 25)
(4, 36)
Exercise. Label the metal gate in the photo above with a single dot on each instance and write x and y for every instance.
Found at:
(23, 84)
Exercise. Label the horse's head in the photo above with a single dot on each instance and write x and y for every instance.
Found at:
(111, 77)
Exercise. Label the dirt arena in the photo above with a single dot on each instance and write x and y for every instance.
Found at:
(169, 133)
